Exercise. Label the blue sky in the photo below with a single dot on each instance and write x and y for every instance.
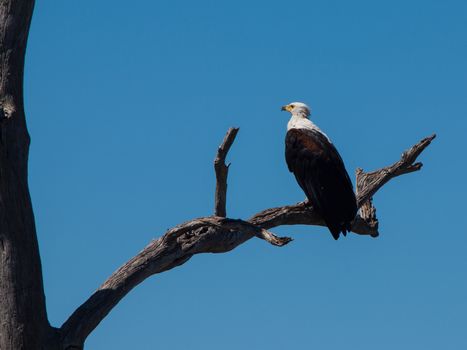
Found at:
(126, 104)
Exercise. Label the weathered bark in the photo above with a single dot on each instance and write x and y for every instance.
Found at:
(23, 319)
(222, 171)
(217, 234)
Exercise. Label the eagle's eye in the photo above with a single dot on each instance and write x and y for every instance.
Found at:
(292, 106)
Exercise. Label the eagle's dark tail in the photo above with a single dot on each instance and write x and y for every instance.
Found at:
(336, 229)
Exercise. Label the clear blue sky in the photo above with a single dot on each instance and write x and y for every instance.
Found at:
(126, 104)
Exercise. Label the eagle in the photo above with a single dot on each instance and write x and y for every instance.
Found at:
(319, 170)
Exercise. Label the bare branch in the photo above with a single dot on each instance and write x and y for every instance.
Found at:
(369, 183)
(303, 214)
(218, 234)
(204, 235)
(367, 214)
(222, 171)
(272, 238)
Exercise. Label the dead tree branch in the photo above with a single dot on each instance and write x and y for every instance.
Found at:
(222, 172)
(369, 183)
(218, 234)
(204, 235)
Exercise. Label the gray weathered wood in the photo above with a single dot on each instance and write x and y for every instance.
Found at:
(222, 170)
(212, 235)
(369, 183)
(23, 319)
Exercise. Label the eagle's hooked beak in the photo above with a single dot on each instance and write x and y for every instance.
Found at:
(286, 108)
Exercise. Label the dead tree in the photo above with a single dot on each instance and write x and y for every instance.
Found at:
(23, 316)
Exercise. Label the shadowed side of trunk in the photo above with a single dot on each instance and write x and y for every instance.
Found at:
(23, 319)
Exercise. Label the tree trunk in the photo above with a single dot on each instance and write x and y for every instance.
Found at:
(23, 318)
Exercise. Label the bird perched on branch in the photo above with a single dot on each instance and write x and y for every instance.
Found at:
(319, 170)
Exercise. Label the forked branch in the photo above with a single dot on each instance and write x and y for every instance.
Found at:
(369, 183)
(218, 234)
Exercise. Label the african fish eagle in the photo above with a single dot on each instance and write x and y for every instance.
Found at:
(319, 170)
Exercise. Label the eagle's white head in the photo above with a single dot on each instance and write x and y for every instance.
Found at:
(299, 120)
(297, 109)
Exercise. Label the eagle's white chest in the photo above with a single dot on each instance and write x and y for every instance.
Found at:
(299, 122)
